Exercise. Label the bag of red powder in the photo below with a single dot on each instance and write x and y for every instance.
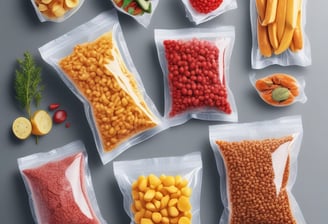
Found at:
(195, 64)
(200, 11)
(257, 164)
(59, 186)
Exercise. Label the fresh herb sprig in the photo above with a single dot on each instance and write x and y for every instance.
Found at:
(27, 84)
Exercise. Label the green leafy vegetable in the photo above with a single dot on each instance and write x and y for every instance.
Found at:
(27, 84)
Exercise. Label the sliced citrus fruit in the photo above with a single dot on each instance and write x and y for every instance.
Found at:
(22, 128)
(41, 123)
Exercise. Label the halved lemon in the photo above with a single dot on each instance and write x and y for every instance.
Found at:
(22, 128)
(41, 122)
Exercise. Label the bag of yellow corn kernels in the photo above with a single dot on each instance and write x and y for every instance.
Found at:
(278, 33)
(257, 164)
(56, 10)
(94, 62)
(161, 190)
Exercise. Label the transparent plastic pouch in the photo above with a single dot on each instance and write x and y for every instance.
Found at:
(278, 33)
(257, 164)
(94, 62)
(279, 89)
(200, 11)
(56, 10)
(140, 10)
(168, 188)
(59, 186)
(195, 64)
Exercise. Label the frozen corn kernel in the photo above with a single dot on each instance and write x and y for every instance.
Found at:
(184, 220)
(163, 199)
(173, 211)
(169, 181)
(186, 191)
(156, 217)
(146, 221)
(154, 180)
(149, 195)
(165, 220)
(184, 204)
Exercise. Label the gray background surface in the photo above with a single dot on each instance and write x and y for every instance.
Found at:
(21, 31)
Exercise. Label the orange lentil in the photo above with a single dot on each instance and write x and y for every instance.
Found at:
(253, 198)
(118, 115)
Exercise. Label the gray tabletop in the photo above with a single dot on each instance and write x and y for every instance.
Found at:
(22, 31)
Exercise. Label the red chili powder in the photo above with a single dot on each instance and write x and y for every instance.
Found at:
(205, 6)
(194, 76)
(59, 192)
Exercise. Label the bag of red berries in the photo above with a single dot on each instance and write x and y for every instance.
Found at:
(195, 65)
(200, 11)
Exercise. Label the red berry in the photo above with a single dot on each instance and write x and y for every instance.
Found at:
(59, 116)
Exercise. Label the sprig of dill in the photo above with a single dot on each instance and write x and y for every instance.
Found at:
(27, 84)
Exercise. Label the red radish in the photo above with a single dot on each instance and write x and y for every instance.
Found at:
(54, 106)
(60, 116)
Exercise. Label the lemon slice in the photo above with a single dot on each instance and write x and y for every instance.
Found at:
(41, 123)
(22, 128)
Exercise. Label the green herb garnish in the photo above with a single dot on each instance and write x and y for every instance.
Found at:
(27, 84)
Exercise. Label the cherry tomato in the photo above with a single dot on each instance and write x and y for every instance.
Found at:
(59, 116)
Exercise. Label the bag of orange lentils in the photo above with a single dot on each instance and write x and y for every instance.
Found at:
(94, 62)
(161, 190)
(195, 64)
(257, 164)
(200, 11)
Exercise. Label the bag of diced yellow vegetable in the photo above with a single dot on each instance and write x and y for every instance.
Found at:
(278, 33)
(94, 62)
(161, 190)
(56, 10)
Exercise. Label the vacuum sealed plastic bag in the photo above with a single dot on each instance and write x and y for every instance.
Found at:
(195, 64)
(278, 33)
(257, 164)
(140, 10)
(279, 89)
(200, 11)
(161, 190)
(59, 186)
(56, 10)
(94, 62)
